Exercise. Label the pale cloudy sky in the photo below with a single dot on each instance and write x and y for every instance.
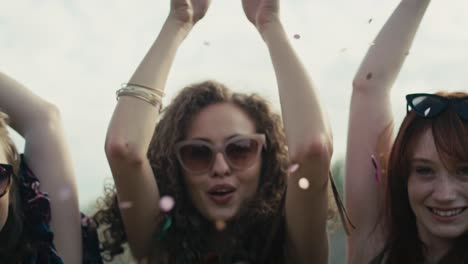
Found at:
(76, 53)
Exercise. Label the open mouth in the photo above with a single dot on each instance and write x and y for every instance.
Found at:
(447, 212)
(221, 194)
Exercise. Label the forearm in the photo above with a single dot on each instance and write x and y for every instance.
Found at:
(25, 109)
(152, 72)
(48, 157)
(385, 57)
(303, 116)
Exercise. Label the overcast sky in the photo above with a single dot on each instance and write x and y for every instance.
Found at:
(76, 54)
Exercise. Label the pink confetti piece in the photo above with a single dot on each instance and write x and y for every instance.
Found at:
(64, 193)
(293, 168)
(378, 175)
(166, 203)
(125, 205)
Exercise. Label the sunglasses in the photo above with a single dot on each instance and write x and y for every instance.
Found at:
(6, 171)
(430, 105)
(240, 152)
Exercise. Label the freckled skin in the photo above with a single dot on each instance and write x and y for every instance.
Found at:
(432, 185)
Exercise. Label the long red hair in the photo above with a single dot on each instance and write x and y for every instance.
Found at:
(451, 139)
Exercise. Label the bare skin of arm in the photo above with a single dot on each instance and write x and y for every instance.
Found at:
(133, 123)
(371, 127)
(47, 155)
(309, 139)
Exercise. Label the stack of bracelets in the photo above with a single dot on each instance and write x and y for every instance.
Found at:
(152, 96)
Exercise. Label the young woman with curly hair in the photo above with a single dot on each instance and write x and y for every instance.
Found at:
(223, 157)
(407, 197)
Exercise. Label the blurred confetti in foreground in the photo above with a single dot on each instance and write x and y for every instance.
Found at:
(304, 183)
(125, 205)
(64, 194)
(220, 225)
(297, 36)
(166, 203)
(293, 168)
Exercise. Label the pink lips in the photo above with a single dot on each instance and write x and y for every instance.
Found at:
(221, 193)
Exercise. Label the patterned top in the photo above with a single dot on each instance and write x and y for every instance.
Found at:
(37, 216)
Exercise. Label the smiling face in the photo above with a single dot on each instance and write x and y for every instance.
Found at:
(438, 196)
(220, 193)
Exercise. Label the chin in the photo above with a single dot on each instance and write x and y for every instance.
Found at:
(449, 232)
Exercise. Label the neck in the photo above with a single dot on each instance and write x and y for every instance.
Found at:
(219, 240)
(435, 247)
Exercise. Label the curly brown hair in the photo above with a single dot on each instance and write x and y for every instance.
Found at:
(258, 228)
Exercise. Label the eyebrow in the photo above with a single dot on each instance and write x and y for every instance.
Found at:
(422, 160)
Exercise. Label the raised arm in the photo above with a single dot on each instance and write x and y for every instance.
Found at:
(371, 127)
(133, 124)
(48, 157)
(308, 135)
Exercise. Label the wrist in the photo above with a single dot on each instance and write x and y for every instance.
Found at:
(176, 24)
(271, 29)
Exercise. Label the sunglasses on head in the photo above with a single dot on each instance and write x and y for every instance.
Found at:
(240, 152)
(430, 105)
(6, 171)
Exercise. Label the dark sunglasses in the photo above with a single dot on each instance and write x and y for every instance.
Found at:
(6, 171)
(240, 152)
(430, 105)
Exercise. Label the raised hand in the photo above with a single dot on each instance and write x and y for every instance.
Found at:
(189, 12)
(261, 12)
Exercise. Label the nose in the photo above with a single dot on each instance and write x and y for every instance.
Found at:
(445, 190)
(220, 166)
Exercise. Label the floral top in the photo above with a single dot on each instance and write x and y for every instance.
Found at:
(37, 216)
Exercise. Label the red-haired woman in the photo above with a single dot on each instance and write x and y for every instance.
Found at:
(407, 197)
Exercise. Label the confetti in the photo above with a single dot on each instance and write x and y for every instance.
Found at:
(343, 50)
(297, 36)
(166, 203)
(64, 194)
(125, 205)
(220, 225)
(304, 183)
(293, 168)
(206, 43)
(378, 175)
(370, 21)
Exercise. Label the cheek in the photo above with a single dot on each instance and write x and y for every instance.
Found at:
(418, 191)
(3, 210)
(251, 178)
